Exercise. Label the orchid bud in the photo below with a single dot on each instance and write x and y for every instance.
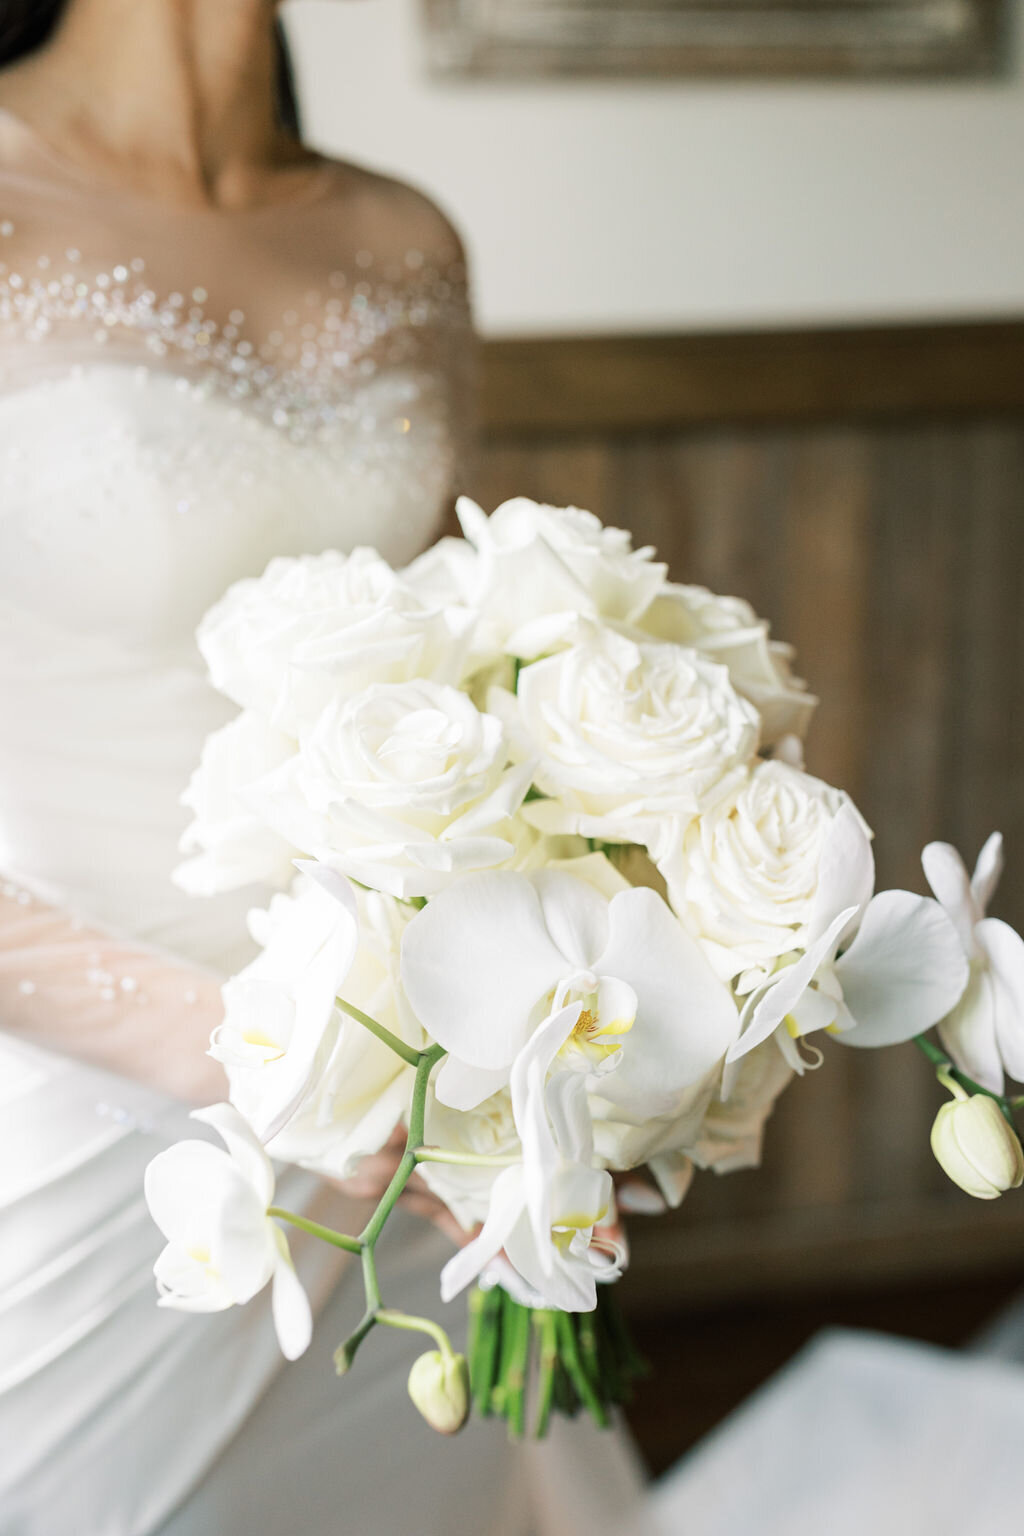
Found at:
(439, 1386)
(976, 1146)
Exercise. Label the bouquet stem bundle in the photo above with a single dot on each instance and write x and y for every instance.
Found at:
(564, 1360)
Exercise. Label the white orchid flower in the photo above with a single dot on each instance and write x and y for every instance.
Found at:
(222, 1247)
(900, 969)
(543, 1211)
(984, 1033)
(280, 1017)
(499, 954)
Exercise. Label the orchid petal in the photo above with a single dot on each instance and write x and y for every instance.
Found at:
(686, 1019)
(529, 1110)
(1005, 951)
(241, 1250)
(460, 1086)
(475, 962)
(968, 1033)
(576, 916)
(293, 1318)
(565, 1287)
(183, 1184)
(783, 994)
(244, 1147)
(185, 1284)
(944, 870)
(570, 1116)
(903, 972)
(315, 997)
(987, 871)
(507, 1206)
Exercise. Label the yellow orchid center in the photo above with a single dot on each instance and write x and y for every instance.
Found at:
(256, 1037)
(595, 1037)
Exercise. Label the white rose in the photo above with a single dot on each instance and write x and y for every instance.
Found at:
(731, 1134)
(230, 844)
(402, 787)
(540, 567)
(318, 627)
(318, 1086)
(744, 877)
(447, 574)
(728, 630)
(628, 735)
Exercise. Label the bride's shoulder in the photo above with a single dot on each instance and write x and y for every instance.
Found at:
(389, 217)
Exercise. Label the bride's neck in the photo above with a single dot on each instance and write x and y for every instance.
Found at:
(179, 95)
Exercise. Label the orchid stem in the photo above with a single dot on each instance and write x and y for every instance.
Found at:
(464, 1159)
(944, 1069)
(326, 1234)
(365, 1244)
(392, 1319)
(408, 1053)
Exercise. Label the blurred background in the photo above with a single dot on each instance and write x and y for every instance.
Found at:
(750, 282)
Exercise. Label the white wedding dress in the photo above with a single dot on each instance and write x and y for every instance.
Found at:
(156, 445)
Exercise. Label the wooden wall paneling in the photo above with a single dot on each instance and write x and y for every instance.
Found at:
(889, 548)
(596, 384)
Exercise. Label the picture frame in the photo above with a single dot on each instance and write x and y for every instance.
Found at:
(531, 39)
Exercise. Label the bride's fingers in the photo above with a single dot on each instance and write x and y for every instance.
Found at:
(639, 1196)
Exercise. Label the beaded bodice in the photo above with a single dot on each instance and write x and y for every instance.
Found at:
(185, 393)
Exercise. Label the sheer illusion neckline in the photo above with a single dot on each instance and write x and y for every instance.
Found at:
(312, 189)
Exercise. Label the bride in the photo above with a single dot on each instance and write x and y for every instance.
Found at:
(215, 347)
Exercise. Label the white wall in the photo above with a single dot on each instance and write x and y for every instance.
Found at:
(607, 206)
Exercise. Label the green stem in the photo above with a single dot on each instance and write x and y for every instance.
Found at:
(515, 1379)
(346, 1352)
(327, 1234)
(371, 1284)
(365, 1244)
(547, 1352)
(943, 1064)
(425, 1063)
(499, 1391)
(569, 1352)
(393, 1319)
(588, 1346)
(484, 1359)
(407, 1052)
(464, 1159)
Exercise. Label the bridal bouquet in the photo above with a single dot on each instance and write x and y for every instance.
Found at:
(559, 901)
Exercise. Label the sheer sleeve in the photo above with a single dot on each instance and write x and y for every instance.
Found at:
(185, 394)
(111, 1002)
